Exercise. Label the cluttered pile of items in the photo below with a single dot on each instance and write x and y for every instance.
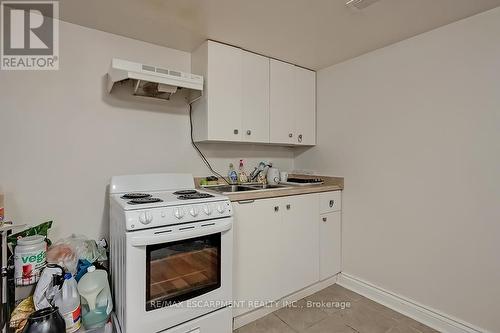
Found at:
(57, 287)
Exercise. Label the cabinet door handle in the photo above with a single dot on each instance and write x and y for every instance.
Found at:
(276, 208)
(288, 206)
(236, 131)
(290, 135)
(324, 219)
(332, 203)
(249, 132)
(299, 138)
(243, 202)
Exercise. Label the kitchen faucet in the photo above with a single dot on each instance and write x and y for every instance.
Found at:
(263, 166)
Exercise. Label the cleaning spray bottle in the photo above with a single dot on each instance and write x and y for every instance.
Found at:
(68, 302)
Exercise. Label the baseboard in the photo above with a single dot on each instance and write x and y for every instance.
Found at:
(248, 317)
(426, 315)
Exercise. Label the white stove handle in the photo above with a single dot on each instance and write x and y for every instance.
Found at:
(182, 232)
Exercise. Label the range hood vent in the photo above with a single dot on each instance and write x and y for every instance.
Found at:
(155, 82)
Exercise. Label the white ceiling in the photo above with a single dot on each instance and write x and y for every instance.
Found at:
(310, 33)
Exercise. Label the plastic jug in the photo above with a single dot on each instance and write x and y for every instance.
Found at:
(68, 302)
(96, 298)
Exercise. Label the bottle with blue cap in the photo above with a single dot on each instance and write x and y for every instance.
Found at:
(68, 302)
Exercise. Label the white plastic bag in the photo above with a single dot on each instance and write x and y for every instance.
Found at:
(67, 251)
(45, 290)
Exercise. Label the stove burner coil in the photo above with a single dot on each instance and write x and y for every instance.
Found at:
(136, 195)
(146, 200)
(196, 195)
(184, 192)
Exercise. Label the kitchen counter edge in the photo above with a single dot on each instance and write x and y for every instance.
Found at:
(330, 184)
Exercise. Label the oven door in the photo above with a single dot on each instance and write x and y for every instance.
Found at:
(177, 273)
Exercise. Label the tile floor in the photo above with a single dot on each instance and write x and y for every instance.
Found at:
(335, 310)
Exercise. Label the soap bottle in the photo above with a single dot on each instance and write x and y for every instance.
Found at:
(232, 175)
(242, 176)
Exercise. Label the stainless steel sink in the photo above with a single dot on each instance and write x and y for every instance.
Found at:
(229, 188)
(243, 188)
(267, 186)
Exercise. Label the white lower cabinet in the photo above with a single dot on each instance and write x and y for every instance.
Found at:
(329, 244)
(257, 253)
(300, 237)
(281, 245)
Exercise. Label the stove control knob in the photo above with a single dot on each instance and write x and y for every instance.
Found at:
(193, 212)
(145, 217)
(221, 209)
(142, 218)
(207, 209)
(179, 213)
(149, 217)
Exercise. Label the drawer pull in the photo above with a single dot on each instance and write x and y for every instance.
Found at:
(276, 208)
(242, 202)
(324, 219)
(236, 131)
(288, 206)
(332, 203)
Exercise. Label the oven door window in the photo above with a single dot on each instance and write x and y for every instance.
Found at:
(182, 270)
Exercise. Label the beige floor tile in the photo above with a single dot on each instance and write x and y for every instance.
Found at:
(421, 328)
(334, 298)
(332, 324)
(402, 329)
(365, 319)
(383, 309)
(336, 310)
(301, 315)
(267, 324)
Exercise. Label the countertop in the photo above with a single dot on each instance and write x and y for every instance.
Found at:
(330, 184)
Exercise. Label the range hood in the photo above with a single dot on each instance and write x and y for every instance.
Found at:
(152, 81)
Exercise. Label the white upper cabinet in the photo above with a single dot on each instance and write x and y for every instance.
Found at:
(255, 98)
(217, 115)
(292, 104)
(305, 107)
(282, 118)
(251, 98)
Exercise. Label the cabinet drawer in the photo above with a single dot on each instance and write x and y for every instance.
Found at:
(219, 321)
(330, 201)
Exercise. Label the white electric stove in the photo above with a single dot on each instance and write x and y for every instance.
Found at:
(171, 255)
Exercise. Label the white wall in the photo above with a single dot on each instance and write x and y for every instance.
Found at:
(415, 130)
(63, 136)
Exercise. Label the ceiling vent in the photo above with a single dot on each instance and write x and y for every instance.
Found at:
(360, 4)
